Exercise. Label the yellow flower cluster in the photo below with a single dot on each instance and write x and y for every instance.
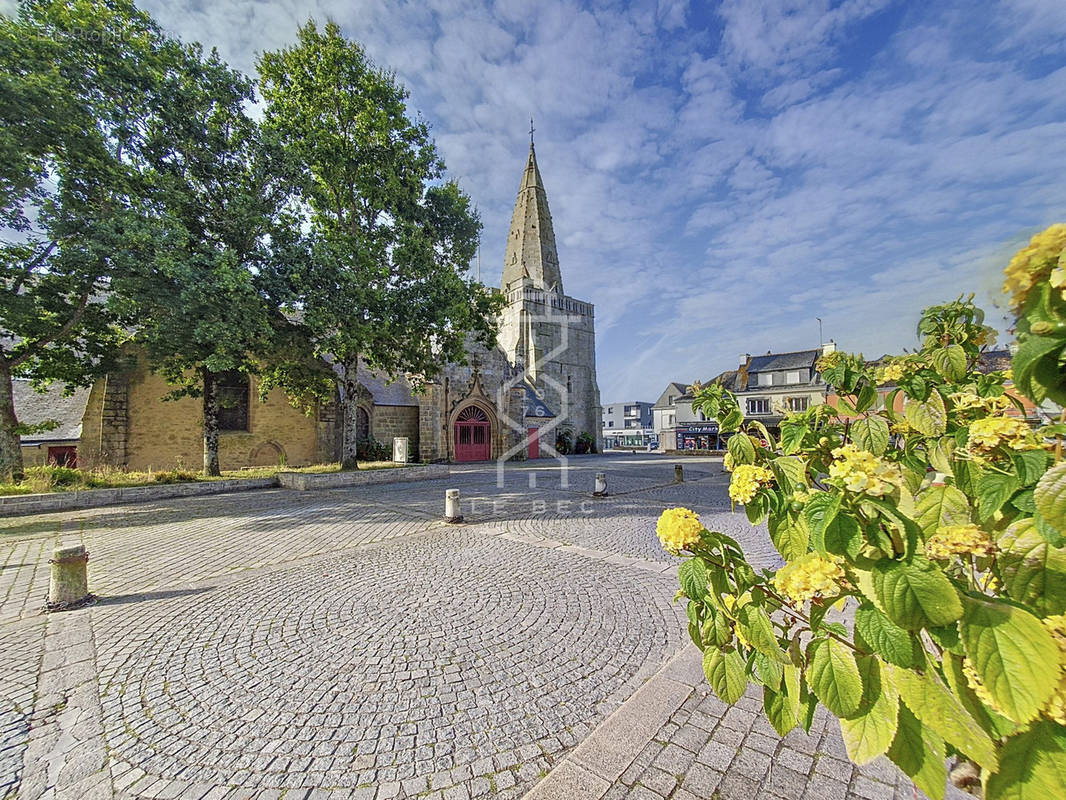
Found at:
(889, 374)
(1041, 260)
(727, 462)
(989, 433)
(1058, 276)
(807, 577)
(1055, 708)
(747, 480)
(859, 470)
(959, 540)
(829, 360)
(679, 529)
(966, 400)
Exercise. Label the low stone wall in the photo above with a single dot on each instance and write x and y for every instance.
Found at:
(336, 480)
(16, 505)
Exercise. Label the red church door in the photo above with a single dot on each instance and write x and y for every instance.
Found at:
(472, 431)
(534, 442)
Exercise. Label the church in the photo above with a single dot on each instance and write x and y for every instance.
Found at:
(510, 401)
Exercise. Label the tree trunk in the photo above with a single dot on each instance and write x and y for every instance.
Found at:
(10, 444)
(350, 431)
(211, 467)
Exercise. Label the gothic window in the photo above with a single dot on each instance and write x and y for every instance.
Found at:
(362, 424)
(232, 389)
(569, 385)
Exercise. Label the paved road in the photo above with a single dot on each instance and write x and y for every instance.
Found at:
(348, 643)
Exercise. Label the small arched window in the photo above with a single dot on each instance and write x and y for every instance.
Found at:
(232, 391)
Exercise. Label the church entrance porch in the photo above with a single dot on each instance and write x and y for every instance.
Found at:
(472, 435)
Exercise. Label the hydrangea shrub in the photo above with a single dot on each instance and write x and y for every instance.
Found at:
(922, 523)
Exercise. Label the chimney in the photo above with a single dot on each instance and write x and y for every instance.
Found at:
(744, 358)
(829, 347)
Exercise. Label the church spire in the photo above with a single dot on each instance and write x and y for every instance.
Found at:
(531, 251)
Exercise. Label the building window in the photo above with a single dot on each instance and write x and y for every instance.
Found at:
(760, 406)
(797, 403)
(610, 424)
(792, 377)
(232, 390)
(670, 400)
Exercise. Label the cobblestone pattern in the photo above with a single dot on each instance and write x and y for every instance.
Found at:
(461, 662)
(24, 575)
(708, 749)
(20, 659)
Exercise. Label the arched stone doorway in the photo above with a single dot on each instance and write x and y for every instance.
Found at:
(473, 435)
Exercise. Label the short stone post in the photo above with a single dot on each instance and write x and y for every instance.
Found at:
(679, 474)
(601, 485)
(69, 585)
(453, 512)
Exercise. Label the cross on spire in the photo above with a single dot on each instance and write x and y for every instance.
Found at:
(531, 129)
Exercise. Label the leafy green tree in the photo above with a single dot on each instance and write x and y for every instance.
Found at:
(218, 190)
(76, 97)
(381, 279)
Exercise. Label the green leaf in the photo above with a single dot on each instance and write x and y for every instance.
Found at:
(1014, 655)
(717, 630)
(950, 362)
(768, 669)
(928, 417)
(940, 455)
(1050, 496)
(725, 674)
(1032, 570)
(1034, 765)
(967, 476)
(792, 434)
(1030, 465)
(782, 711)
(842, 536)
(834, 676)
(993, 490)
(692, 575)
(869, 732)
(741, 448)
(940, 506)
(791, 473)
(871, 433)
(915, 594)
(1029, 362)
(790, 537)
(941, 711)
(995, 725)
(919, 752)
(887, 639)
(820, 510)
(756, 627)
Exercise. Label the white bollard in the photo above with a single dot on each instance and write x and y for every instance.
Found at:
(601, 485)
(452, 510)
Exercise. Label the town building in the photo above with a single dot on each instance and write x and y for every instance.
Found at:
(508, 401)
(772, 385)
(664, 412)
(627, 425)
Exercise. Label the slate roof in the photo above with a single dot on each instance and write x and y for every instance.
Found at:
(681, 388)
(781, 361)
(33, 407)
(533, 403)
(397, 393)
(994, 360)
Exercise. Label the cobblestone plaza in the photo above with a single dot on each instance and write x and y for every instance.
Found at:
(349, 644)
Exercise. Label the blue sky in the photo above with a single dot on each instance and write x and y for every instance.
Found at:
(720, 175)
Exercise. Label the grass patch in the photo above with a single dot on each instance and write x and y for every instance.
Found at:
(44, 480)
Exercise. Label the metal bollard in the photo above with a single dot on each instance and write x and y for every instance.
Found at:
(601, 485)
(69, 584)
(453, 512)
(679, 474)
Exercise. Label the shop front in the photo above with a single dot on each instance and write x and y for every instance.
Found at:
(698, 436)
